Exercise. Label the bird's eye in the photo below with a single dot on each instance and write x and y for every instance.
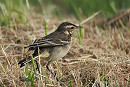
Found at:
(72, 27)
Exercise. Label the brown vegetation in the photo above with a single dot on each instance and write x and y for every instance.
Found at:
(102, 51)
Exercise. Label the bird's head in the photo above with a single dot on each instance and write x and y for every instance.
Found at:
(67, 27)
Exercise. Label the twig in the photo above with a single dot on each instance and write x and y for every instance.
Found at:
(86, 20)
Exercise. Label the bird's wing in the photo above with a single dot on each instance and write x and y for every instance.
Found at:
(47, 43)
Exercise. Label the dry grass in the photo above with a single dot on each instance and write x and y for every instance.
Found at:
(102, 60)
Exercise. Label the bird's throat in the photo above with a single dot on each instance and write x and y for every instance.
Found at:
(68, 33)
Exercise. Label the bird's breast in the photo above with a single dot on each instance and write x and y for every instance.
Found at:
(59, 52)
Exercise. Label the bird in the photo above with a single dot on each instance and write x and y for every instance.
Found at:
(52, 47)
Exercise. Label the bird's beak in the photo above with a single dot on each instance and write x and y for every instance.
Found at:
(78, 27)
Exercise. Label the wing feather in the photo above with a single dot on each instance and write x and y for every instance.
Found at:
(47, 43)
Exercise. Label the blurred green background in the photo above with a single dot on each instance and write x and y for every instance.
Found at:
(11, 10)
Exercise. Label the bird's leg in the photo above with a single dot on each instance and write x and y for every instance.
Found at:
(37, 66)
(47, 66)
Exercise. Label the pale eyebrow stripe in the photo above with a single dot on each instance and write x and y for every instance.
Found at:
(69, 26)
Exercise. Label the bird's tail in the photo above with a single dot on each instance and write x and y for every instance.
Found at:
(24, 61)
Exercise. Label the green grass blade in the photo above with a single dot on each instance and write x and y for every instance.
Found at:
(45, 75)
(80, 36)
(115, 80)
(29, 76)
(27, 72)
(33, 64)
(45, 24)
(3, 82)
(103, 74)
(32, 80)
(61, 75)
(70, 83)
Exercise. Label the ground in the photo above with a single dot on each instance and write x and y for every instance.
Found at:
(101, 59)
